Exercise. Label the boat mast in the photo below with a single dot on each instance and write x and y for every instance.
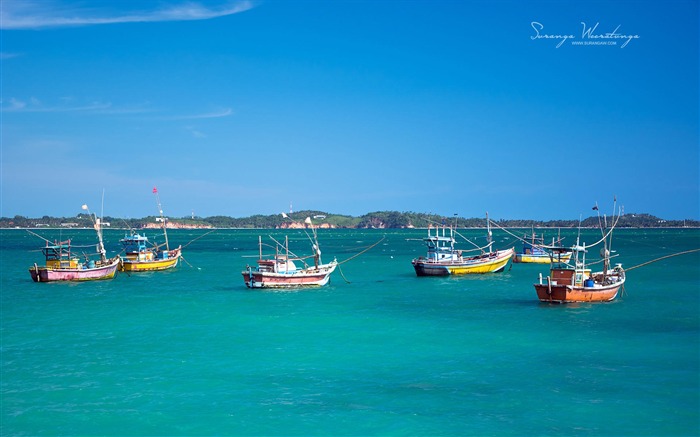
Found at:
(489, 234)
(314, 245)
(607, 241)
(577, 248)
(162, 218)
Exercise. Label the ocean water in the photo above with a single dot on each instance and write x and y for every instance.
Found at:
(379, 351)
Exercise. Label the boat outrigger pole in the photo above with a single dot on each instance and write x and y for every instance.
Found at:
(97, 224)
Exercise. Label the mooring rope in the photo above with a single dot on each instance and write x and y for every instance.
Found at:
(37, 235)
(358, 254)
(663, 257)
(188, 263)
(341, 274)
(355, 256)
(203, 235)
(524, 240)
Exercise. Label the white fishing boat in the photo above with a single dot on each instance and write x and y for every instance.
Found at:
(284, 269)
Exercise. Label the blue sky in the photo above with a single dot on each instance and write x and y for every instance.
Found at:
(241, 108)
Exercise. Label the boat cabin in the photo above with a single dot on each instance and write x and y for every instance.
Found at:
(279, 265)
(58, 256)
(570, 276)
(534, 245)
(530, 249)
(135, 247)
(441, 249)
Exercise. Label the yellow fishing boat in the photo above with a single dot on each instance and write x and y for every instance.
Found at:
(535, 251)
(443, 259)
(139, 257)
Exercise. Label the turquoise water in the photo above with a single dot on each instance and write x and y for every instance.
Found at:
(194, 352)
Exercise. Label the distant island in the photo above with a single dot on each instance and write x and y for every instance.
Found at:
(378, 220)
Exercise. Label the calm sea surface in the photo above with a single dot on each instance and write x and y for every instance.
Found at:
(377, 352)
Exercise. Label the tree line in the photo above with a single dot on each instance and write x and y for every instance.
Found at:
(378, 219)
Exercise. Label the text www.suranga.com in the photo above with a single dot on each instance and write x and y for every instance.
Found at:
(593, 43)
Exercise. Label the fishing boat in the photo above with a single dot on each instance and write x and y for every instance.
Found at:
(64, 264)
(142, 256)
(535, 251)
(443, 259)
(280, 270)
(576, 282)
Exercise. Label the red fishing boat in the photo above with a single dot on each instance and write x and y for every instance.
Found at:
(575, 282)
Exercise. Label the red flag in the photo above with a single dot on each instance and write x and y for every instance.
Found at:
(155, 190)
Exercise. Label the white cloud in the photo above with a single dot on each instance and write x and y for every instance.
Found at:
(70, 105)
(34, 105)
(216, 114)
(36, 14)
(195, 133)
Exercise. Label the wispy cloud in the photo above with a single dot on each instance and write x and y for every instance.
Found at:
(195, 132)
(35, 105)
(215, 114)
(37, 14)
(68, 105)
(5, 55)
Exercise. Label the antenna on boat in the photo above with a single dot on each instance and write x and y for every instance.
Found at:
(162, 218)
(97, 224)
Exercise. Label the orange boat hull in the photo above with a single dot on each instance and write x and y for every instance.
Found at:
(569, 293)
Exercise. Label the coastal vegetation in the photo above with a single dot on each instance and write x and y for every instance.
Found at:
(378, 219)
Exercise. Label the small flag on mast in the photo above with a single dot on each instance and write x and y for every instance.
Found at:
(155, 190)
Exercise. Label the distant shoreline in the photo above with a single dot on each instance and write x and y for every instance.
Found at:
(320, 219)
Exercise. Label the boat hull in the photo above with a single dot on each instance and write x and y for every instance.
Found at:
(603, 289)
(130, 265)
(569, 293)
(492, 263)
(48, 274)
(301, 278)
(539, 258)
